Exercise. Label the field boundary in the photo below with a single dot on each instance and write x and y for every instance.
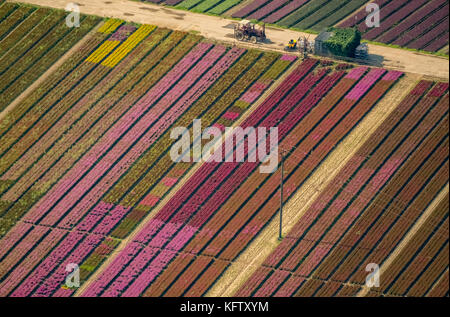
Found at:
(49, 71)
(264, 244)
(179, 185)
(218, 28)
(409, 236)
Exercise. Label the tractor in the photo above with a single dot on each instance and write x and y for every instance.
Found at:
(247, 31)
(302, 45)
(291, 45)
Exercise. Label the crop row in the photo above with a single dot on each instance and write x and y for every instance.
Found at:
(251, 228)
(226, 100)
(37, 161)
(210, 6)
(6, 9)
(16, 34)
(440, 288)
(328, 15)
(98, 213)
(410, 273)
(168, 211)
(423, 24)
(304, 14)
(38, 50)
(197, 220)
(411, 21)
(294, 249)
(165, 48)
(18, 16)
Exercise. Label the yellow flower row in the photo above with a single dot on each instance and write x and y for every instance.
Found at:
(110, 26)
(102, 51)
(128, 45)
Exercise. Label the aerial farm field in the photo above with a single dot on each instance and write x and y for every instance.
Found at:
(87, 175)
(414, 24)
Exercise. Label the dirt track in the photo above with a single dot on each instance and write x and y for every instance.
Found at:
(221, 29)
(255, 254)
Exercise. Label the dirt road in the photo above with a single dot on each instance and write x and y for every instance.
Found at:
(222, 29)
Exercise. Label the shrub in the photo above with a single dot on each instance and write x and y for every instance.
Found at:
(344, 41)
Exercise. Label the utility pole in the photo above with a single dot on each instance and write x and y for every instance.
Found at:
(280, 236)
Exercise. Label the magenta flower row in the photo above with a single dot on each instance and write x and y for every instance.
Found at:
(365, 84)
(114, 134)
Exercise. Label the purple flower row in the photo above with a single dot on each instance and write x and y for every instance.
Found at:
(284, 11)
(432, 34)
(409, 22)
(365, 84)
(30, 261)
(422, 27)
(184, 215)
(270, 7)
(123, 33)
(89, 159)
(155, 131)
(51, 283)
(50, 262)
(394, 18)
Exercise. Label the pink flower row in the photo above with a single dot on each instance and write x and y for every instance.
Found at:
(57, 278)
(49, 284)
(357, 72)
(152, 227)
(154, 132)
(50, 262)
(365, 84)
(208, 188)
(64, 125)
(254, 92)
(30, 261)
(115, 133)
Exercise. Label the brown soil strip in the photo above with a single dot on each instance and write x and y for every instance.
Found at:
(48, 72)
(178, 186)
(409, 236)
(255, 254)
